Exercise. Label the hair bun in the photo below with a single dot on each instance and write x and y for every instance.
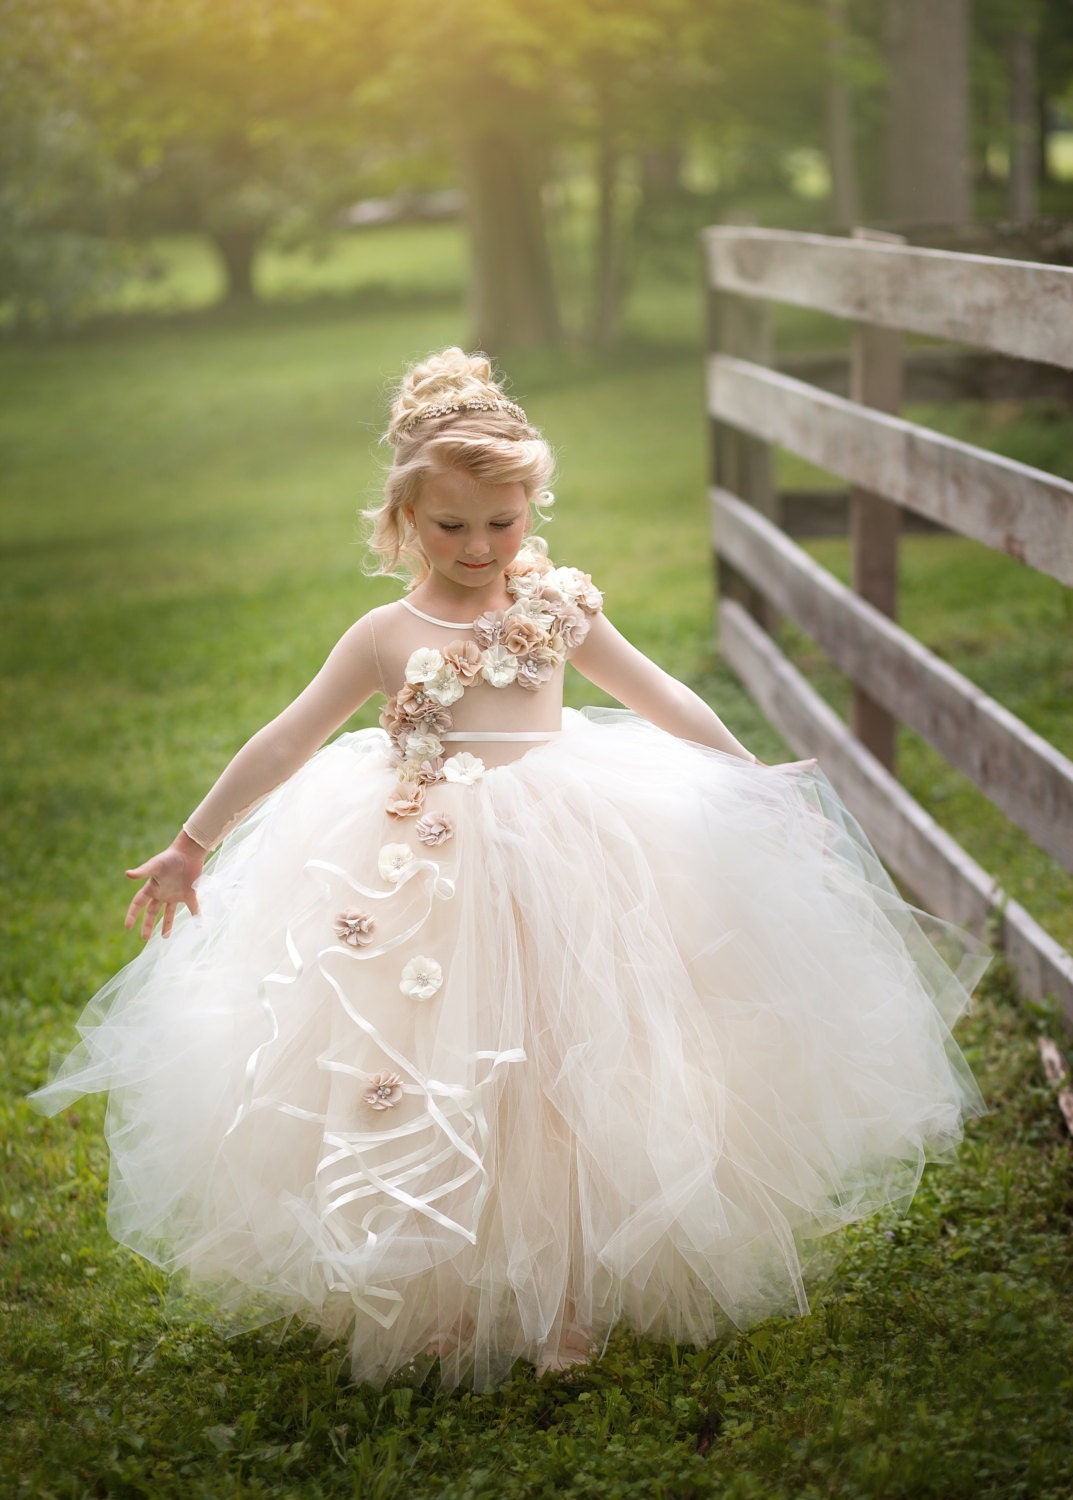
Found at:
(444, 378)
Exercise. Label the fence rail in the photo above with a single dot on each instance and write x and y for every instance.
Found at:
(1008, 307)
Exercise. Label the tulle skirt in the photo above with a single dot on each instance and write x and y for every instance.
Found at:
(622, 1046)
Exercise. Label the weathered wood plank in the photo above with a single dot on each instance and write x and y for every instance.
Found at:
(944, 878)
(1017, 768)
(1014, 307)
(1009, 506)
(945, 375)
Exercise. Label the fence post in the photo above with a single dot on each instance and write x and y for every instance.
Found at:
(876, 381)
(739, 463)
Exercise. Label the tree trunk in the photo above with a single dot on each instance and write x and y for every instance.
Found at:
(845, 198)
(237, 248)
(1024, 148)
(928, 174)
(608, 269)
(513, 303)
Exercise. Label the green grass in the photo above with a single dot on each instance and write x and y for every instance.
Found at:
(181, 550)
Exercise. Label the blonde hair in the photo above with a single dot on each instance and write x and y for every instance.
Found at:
(489, 441)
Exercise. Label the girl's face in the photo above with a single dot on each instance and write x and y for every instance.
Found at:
(470, 529)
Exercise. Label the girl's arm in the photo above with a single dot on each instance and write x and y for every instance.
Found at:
(607, 659)
(348, 677)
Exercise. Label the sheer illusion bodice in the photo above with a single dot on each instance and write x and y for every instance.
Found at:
(494, 714)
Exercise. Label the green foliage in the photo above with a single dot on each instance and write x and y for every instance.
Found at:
(182, 551)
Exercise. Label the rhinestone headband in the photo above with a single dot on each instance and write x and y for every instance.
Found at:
(448, 408)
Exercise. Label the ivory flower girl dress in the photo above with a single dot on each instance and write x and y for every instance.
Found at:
(504, 1022)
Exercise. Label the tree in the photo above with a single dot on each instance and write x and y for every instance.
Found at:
(927, 160)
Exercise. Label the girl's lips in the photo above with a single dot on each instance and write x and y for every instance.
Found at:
(476, 567)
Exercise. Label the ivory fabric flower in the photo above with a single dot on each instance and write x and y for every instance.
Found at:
(463, 769)
(393, 861)
(384, 1091)
(498, 666)
(523, 585)
(421, 978)
(520, 634)
(422, 745)
(533, 609)
(445, 687)
(488, 628)
(406, 800)
(465, 658)
(355, 928)
(423, 665)
(434, 828)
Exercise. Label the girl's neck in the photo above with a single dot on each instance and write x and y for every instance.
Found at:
(442, 597)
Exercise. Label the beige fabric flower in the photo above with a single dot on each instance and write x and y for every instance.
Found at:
(406, 800)
(434, 828)
(572, 626)
(464, 657)
(532, 673)
(355, 928)
(520, 634)
(488, 628)
(384, 1091)
(428, 771)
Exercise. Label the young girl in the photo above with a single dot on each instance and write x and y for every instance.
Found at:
(502, 1022)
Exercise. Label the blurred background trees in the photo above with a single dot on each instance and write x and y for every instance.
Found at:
(582, 134)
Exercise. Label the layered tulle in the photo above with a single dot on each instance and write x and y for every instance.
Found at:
(669, 1021)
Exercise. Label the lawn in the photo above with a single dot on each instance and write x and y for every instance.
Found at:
(182, 547)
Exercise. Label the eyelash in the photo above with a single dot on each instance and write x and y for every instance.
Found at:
(496, 526)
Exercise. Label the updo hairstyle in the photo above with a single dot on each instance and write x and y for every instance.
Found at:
(489, 440)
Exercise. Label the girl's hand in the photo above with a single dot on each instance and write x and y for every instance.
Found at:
(169, 879)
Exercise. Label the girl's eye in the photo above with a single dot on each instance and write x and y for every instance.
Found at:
(445, 526)
(503, 525)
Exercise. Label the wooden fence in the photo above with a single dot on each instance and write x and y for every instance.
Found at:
(894, 467)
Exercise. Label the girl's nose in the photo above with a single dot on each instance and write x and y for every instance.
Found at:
(477, 546)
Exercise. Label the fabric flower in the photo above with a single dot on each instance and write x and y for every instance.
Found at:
(422, 745)
(572, 626)
(406, 800)
(463, 769)
(393, 861)
(533, 609)
(498, 666)
(355, 928)
(464, 657)
(532, 559)
(533, 673)
(579, 588)
(428, 771)
(488, 628)
(520, 634)
(384, 1091)
(434, 828)
(553, 652)
(445, 687)
(421, 978)
(423, 665)
(523, 585)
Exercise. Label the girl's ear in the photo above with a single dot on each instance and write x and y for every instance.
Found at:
(408, 515)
